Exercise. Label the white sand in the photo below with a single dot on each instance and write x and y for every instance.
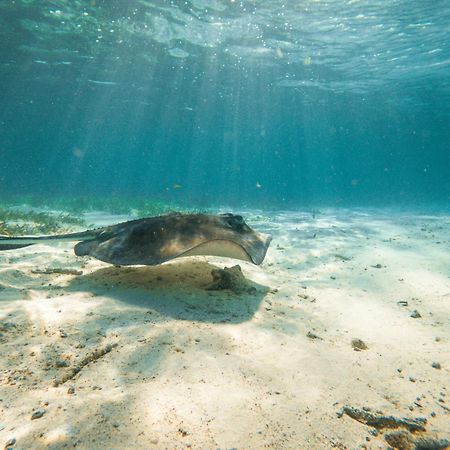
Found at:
(200, 369)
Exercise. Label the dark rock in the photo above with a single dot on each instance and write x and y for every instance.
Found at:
(230, 278)
(415, 314)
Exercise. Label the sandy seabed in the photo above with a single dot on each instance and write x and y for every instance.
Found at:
(350, 308)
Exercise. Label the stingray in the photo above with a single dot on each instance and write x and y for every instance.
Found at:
(155, 240)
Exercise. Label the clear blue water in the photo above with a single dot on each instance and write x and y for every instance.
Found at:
(245, 103)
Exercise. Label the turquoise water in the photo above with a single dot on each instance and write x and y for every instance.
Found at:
(241, 103)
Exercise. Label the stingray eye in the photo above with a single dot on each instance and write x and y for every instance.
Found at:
(235, 222)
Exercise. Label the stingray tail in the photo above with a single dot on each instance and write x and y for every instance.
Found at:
(4, 246)
(15, 242)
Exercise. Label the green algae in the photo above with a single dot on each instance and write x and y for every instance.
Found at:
(19, 222)
(126, 205)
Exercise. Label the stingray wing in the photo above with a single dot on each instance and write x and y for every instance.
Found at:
(140, 243)
(153, 241)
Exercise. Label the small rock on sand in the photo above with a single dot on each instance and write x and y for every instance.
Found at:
(37, 414)
(415, 314)
(358, 345)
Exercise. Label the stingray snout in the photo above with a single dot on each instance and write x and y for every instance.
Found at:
(258, 247)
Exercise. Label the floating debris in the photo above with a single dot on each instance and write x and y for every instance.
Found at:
(342, 257)
(104, 83)
(57, 270)
(91, 357)
(311, 335)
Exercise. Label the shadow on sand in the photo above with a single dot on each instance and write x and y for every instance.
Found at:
(144, 310)
(177, 290)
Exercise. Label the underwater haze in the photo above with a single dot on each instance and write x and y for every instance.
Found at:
(227, 102)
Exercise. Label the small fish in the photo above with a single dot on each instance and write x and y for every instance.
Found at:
(105, 83)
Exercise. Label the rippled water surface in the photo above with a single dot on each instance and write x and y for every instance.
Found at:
(330, 44)
(284, 101)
